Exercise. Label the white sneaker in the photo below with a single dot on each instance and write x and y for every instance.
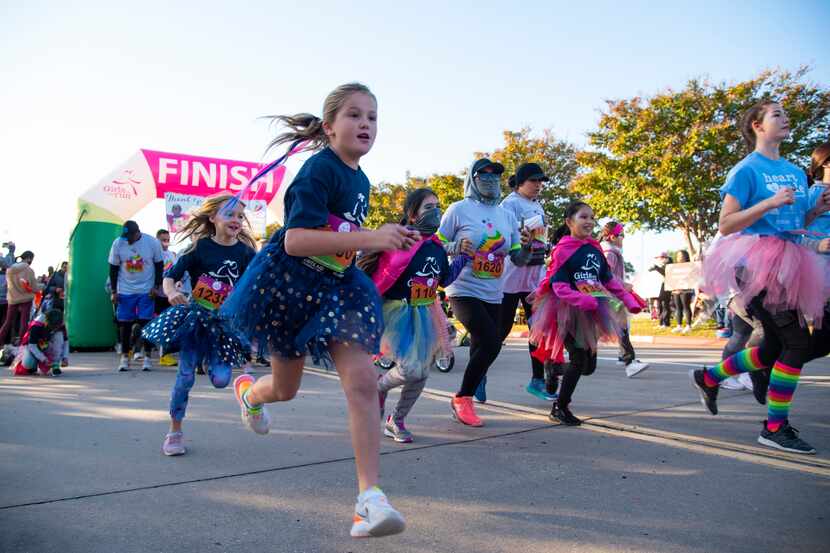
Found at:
(686, 329)
(124, 364)
(374, 517)
(731, 383)
(745, 380)
(138, 356)
(147, 365)
(256, 419)
(635, 367)
(677, 329)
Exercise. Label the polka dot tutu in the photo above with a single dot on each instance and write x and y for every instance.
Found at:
(297, 310)
(192, 327)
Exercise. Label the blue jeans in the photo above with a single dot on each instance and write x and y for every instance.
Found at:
(220, 377)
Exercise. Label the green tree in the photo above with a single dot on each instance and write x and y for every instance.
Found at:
(387, 200)
(658, 162)
(556, 157)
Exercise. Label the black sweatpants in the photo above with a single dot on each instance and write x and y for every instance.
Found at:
(683, 307)
(483, 322)
(582, 362)
(509, 304)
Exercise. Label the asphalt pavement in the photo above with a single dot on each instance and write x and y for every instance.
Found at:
(81, 468)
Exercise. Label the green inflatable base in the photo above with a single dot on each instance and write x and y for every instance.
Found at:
(89, 314)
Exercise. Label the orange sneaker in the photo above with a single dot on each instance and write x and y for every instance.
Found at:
(464, 412)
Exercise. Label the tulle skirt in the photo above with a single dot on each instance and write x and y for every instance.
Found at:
(790, 276)
(554, 320)
(194, 328)
(414, 336)
(291, 309)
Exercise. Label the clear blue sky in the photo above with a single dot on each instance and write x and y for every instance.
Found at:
(85, 84)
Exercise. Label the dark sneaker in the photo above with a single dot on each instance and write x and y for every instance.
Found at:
(708, 396)
(785, 439)
(563, 415)
(481, 391)
(760, 383)
(552, 373)
(56, 371)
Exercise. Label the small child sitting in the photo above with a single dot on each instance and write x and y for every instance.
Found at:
(44, 346)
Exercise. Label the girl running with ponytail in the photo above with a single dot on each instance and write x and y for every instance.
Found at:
(302, 293)
(221, 249)
(576, 306)
(779, 281)
(416, 326)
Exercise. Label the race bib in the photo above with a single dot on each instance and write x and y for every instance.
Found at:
(340, 261)
(488, 265)
(211, 293)
(592, 288)
(423, 290)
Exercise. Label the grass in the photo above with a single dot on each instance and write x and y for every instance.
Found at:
(646, 326)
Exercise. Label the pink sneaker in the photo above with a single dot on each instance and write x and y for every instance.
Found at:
(464, 412)
(173, 444)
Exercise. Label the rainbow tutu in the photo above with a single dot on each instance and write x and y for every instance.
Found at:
(414, 336)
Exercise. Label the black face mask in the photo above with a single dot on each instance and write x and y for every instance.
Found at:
(427, 223)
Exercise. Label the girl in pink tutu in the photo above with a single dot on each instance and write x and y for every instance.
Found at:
(760, 258)
(579, 303)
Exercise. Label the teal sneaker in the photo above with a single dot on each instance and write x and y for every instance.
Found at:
(536, 387)
(481, 390)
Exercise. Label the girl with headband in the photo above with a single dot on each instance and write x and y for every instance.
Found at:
(221, 249)
(612, 243)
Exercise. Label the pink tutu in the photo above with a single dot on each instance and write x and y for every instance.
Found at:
(554, 320)
(790, 275)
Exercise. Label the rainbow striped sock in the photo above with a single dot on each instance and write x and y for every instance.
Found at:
(742, 362)
(782, 383)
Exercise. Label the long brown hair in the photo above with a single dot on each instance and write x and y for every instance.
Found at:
(305, 126)
(755, 114)
(821, 155)
(200, 226)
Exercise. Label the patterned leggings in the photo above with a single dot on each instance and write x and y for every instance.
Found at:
(410, 392)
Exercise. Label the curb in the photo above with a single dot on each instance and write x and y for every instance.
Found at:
(658, 340)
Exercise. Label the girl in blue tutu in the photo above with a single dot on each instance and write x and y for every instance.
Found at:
(415, 332)
(220, 251)
(302, 293)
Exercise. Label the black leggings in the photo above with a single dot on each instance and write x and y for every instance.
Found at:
(125, 330)
(820, 340)
(785, 338)
(582, 361)
(683, 306)
(482, 321)
(508, 314)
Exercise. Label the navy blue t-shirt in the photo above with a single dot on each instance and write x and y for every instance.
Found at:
(213, 269)
(325, 185)
(585, 270)
(427, 269)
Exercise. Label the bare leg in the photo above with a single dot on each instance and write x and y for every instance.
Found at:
(359, 381)
(281, 385)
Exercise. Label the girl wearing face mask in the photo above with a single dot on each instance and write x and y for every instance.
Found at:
(519, 282)
(612, 243)
(574, 308)
(479, 228)
(415, 332)
(765, 208)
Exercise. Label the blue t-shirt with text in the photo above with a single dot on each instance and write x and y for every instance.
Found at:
(756, 178)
